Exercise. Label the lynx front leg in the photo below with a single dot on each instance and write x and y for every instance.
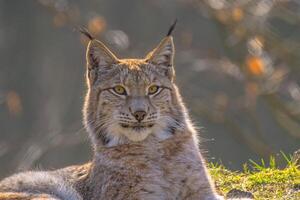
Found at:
(198, 185)
(200, 194)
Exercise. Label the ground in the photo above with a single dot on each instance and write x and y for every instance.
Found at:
(264, 182)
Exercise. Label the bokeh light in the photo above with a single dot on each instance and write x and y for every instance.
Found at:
(96, 25)
(14, 104)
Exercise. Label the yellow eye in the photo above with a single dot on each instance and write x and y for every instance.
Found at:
(120, 90)
(153, 89)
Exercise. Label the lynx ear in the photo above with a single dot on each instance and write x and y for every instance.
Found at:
(98, 55)
(162, 56)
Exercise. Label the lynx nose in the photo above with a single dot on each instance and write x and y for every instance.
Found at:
(139, 115)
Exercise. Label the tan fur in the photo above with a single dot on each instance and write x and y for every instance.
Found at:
(154, 158)
(25, 196)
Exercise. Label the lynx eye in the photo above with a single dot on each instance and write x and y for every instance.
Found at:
(153, 89)
(120, 90)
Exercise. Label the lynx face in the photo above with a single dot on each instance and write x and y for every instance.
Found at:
(131, 98)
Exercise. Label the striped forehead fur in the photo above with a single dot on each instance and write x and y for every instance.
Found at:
(133, 64)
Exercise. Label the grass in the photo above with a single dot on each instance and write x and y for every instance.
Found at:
(263, 181)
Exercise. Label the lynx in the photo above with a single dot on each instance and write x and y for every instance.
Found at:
(145, 146)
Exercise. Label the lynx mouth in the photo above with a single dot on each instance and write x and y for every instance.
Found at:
(137, 127)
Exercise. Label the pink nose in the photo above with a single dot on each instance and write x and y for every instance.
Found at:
(139, 115)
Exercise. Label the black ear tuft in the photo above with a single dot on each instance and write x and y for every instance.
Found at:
(85, 32)
(172, 28)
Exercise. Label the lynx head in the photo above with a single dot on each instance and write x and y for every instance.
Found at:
(131, 99)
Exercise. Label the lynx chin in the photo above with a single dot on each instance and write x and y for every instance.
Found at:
(145, 147)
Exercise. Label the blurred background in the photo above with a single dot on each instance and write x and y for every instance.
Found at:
(237, 64)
